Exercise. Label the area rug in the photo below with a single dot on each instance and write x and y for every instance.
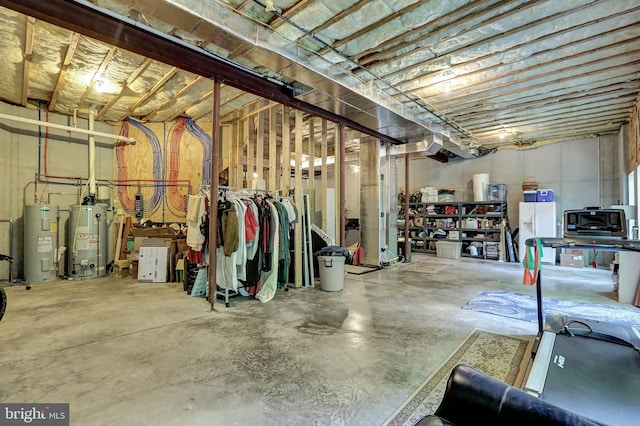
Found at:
(497, 355)
(524, 307)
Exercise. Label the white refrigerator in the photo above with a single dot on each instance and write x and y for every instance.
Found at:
(537, 220)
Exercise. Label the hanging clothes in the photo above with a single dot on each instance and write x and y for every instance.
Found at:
(270, 278)
(254, 244)
(255, 256)
(196, 210)
(228, 219)
(292, 212)
(268, 234)
(241, 255)
(227, 245)
(250, 224)
(284, 256)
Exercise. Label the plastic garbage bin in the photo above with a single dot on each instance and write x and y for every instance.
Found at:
(331, 261)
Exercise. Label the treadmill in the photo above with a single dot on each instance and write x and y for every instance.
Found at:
(589, 367)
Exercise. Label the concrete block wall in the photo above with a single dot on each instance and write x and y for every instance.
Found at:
(21, 150)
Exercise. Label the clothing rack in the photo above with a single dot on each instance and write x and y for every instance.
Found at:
(224, 290)
(241, 193)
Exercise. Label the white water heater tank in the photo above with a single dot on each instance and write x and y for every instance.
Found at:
(88, 241)
(40, 243)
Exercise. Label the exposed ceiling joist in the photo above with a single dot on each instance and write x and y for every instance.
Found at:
(28, 57)
(392, 70)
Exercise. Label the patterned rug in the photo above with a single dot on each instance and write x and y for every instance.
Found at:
(497, 355)
(523, 307)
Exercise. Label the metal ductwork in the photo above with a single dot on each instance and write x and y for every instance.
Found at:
(317, 81)
(313, 80)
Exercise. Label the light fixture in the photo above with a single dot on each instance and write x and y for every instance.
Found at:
(270, 7)
(502, 134)
(446, 86)
(103, 84)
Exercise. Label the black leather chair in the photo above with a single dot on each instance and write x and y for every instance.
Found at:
(473, 397)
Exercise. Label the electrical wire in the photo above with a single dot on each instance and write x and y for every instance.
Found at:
(176, 200)
(206, 142)
(153, 202)
(127, 202)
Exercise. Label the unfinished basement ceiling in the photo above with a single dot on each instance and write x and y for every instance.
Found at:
(481, 74)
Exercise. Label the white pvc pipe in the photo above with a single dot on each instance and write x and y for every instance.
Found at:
(68, 128)
(92, 155)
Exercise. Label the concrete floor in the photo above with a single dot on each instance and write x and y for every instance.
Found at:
(127, 353)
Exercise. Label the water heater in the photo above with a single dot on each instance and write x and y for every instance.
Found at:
(40, 243)
(88, 241)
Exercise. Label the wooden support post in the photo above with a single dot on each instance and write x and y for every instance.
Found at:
(286, 152)
(260, 133)
(312, 170)
(323, 177)
(246, 149)
(298, 198)
(273, 145)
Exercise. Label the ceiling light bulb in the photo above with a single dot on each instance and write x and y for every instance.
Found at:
(270, 7)
(103, 84)
(447, 86)
(502, 134)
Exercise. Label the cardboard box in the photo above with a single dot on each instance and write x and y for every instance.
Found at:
(572, 260)
(453, 235)
(448, 249)
(152, 264)
(149, 232)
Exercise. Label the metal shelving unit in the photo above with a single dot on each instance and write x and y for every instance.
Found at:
(473, 223)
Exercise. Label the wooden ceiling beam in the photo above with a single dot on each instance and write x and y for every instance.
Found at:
(141, 68)
(168, 76)
(276, 21)
(340, 16)
(376, 24)
(613, 98)
(28, 58)
(631, 83)
(422, 90)
(87, 19)
(512, 32)
(527, 90)
(173, 98)
(578, 68)
(96, 76)
(203, 98)
(459, 19)
(62, 76)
